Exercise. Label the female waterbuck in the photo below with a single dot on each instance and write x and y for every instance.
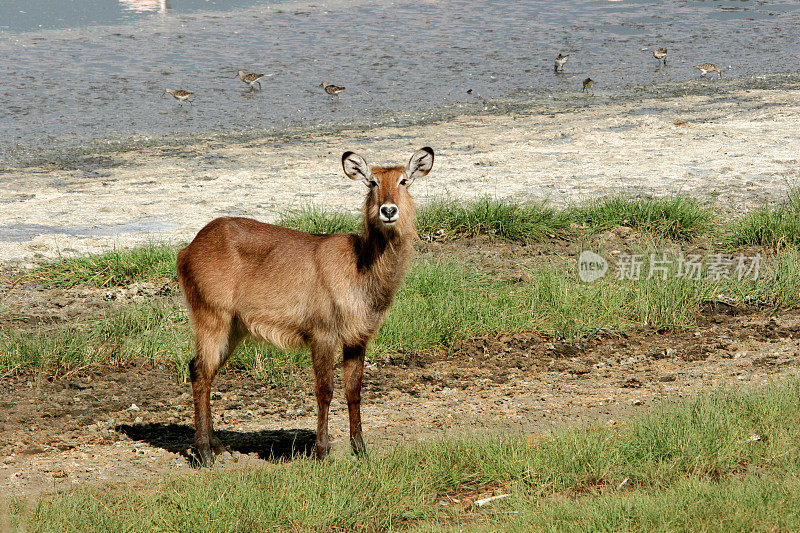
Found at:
(242, 277)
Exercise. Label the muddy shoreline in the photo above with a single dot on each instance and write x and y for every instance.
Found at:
(136, 422)
(734, 151)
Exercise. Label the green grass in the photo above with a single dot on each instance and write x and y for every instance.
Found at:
(754, 502)
(522, 222)
(690, 466)
(768, 226)
(440, 304)
(153, 332)
(156, 332)
(113, 268)
(319, 221)
(675, 217)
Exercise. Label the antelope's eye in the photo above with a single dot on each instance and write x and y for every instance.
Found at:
(403, 181)
(373, 184)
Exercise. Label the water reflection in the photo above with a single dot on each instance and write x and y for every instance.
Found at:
(101, 79)
(145, 6)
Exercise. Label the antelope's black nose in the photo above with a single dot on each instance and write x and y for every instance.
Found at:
(389, 212)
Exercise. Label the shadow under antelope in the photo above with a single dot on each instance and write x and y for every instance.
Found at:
(243, 277)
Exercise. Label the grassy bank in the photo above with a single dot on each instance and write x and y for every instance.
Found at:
(724, 461)
(440, 304)
(445, 219)
(678, 218)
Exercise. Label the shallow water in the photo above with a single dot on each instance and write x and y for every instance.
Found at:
(88, 75)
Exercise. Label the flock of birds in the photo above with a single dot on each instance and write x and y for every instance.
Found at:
(659, 53)
(252, 79)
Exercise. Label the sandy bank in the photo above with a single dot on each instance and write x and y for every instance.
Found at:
(738, 150)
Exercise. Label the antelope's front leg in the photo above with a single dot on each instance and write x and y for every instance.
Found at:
(322, 354)
(353, 373)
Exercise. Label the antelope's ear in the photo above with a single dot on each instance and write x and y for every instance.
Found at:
(419, 165)
(356, 168)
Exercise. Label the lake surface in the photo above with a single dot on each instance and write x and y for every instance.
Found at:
(81, 71)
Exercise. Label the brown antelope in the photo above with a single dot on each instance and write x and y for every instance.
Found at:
(242, 277)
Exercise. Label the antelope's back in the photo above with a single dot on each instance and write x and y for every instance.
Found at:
(232, 256)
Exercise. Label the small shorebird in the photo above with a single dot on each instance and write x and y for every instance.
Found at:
(588, 85)
(180, 95)
(332, 90)
(559, 62)
(660, 54)
(705, 68)
(250, 79)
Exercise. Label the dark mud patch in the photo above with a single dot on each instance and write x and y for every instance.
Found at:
(137, 421)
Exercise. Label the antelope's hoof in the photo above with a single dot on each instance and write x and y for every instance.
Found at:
(322, 450)
(358, 447)
(204, 456)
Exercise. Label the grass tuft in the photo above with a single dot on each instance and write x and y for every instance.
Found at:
(768, 226)
(522, 222)
(674, 217)
(319, 221)
(114, 268)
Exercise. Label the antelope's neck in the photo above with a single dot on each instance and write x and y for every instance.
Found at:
(382, 262)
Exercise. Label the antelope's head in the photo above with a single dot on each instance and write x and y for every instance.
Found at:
(388, 205)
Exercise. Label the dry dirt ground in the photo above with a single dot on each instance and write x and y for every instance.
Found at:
(135, 422)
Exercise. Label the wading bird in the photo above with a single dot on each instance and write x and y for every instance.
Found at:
(180, 95)
(559, 62)
(660, 54)
(705, 68)
(250, 79)
(332, 90)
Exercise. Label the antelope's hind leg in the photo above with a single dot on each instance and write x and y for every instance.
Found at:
(322, 355)
(353, 374)
(215, 340)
